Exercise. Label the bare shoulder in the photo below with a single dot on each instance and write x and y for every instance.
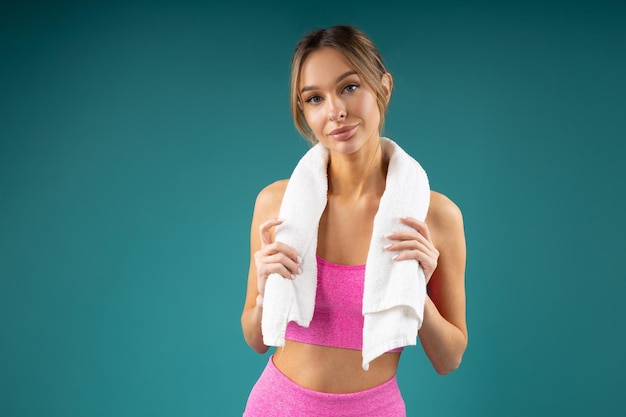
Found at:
(444, 218)
(269, 199)
(443, 209)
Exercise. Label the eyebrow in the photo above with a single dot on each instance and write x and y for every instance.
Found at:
(341, 77)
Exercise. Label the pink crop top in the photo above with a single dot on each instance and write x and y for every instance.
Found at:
(338, 318)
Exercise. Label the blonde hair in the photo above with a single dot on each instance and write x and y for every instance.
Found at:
(358, 49)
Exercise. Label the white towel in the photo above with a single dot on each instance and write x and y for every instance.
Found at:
(394, 291)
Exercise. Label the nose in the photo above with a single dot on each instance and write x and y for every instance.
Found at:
(336, 110)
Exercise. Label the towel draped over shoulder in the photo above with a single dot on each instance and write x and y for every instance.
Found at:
(394, 291)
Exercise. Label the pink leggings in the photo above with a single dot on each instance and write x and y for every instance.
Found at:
(275, 395)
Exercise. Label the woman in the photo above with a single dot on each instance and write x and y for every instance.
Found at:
(339, 95)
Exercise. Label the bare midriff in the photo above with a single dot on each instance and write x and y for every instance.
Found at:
(331, 369)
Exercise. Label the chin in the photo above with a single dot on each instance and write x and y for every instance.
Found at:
(344, 147)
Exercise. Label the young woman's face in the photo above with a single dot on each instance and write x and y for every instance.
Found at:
(340, 110)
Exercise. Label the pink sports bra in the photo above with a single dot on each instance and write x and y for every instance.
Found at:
(338, 318)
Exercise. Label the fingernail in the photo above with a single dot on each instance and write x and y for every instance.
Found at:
(299, 271)
(299, 259)
(387, 246)
(394, 257)
(293, 276)
(388, 235)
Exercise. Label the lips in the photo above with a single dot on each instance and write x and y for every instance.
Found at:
(342, 133)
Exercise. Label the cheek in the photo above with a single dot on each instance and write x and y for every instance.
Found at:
(315, 118)
(368, 108)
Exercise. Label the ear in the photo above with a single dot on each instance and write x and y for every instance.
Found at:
(387, 83)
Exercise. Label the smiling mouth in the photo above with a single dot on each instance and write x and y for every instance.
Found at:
(343, 133)
(341, 130)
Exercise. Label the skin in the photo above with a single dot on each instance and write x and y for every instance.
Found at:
(333, 97)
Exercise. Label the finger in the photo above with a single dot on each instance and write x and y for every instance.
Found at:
(418, 225)
(428, 263)
(265, 230)
(423, 246)
(289, 251)
(275, 268)
(280, 258)
(404, 235)
(280, 247)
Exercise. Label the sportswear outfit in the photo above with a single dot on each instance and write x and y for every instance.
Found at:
(337, 322)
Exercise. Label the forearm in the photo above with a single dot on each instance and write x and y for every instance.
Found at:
(443, 342)
(251, 326)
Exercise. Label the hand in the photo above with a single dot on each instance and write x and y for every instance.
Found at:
(274, 257)
(415, 244)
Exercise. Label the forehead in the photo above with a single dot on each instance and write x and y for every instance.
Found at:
(323, 66)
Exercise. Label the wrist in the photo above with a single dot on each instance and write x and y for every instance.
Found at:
(259, 300)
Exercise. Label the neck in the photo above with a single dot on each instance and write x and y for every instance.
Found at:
(358, 174)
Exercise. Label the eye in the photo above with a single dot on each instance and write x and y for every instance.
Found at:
(351, 88)
(313, 99)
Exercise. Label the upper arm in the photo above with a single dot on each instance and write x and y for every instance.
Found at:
(446, 287)
(266, 206)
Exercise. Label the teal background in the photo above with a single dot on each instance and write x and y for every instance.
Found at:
(134, 137)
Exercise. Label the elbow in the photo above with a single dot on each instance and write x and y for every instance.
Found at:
(450, 362)
(448, 366)
(258, 346)
(253, 338)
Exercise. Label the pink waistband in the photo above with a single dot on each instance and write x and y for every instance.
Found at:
(276, 395)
